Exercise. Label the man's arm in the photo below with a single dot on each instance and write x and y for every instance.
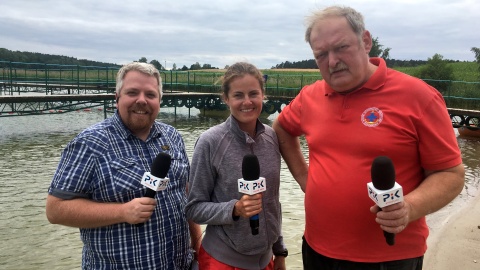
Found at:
(292, 154)
(437, 190)
(84, 213)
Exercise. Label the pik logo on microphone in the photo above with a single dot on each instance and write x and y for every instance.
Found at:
(154, 183)
(252, 187)
(385, 197)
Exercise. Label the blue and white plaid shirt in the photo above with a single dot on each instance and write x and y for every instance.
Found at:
(105, 163)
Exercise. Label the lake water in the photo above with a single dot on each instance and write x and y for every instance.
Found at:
(30, 151)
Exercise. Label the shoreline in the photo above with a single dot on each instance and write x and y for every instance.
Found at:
(454, 240)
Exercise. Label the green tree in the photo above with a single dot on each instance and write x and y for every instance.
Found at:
(378, 50)
(386, 53)
(157, 64)
(437, 72)
(174, 67)
(33, 57)
(476, 51)
(142, 60)
(195, 66)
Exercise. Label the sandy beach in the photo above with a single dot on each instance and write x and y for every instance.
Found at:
(454, 241)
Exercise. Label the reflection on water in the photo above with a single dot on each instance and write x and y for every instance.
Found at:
(470, 148)
(471, 158)
(31, 148)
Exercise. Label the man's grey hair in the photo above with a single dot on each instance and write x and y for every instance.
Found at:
(144, 68)
(354, 18)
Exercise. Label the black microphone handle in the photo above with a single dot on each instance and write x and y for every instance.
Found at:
(254, 224)
(383, 178)
(148, 193)
(160, 166)
(389, 237)
(250, 172)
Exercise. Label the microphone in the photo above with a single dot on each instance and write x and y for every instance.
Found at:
(383, 189)
(251, 184)
(156, 179)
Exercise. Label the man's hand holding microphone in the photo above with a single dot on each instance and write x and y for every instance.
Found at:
(391, 211)
(139, 210)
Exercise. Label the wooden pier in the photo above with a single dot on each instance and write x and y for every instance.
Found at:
(35, 104)
(32, 101)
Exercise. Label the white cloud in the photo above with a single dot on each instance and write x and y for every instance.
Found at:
(219, 33)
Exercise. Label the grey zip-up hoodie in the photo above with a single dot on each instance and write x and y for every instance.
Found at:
(216, 166)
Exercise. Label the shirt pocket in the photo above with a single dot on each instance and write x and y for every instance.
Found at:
(127, 174)
(179, 169)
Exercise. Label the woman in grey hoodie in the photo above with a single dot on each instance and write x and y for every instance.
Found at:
(216, 166)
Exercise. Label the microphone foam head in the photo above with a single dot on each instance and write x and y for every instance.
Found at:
(161, 165)
(250, 167)
(383, 173)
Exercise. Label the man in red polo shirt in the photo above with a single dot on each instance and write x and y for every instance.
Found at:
(359, 111)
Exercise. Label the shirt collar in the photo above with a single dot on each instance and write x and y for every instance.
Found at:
(125, 133)
(235, 128)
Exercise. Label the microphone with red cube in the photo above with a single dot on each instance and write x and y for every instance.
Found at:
(383, 189)
(251, 184)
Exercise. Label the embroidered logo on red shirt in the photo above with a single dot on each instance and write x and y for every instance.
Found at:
(372, 117)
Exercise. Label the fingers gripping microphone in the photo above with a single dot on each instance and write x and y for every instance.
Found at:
(251, 183)
(383, 189)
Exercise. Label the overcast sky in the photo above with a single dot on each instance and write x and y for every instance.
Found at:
(221, 32)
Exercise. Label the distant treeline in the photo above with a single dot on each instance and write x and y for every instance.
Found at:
(392, 63)
(32, 57)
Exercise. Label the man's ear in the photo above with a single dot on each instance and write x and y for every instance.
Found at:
(367, 41)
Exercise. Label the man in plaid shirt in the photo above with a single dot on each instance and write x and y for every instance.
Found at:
(97, 185)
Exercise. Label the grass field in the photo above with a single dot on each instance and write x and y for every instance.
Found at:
(462, 92)
(462, 71)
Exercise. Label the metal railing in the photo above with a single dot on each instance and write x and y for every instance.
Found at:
(77, 79)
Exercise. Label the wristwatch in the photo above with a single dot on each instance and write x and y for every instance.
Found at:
(284, 253)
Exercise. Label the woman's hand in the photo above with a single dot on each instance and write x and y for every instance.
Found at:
(248, 205)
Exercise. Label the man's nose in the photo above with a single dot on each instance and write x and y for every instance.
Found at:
(141, 99)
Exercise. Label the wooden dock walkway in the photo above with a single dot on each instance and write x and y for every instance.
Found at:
(30, 103)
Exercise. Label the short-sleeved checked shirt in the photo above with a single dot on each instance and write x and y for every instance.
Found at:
(105, 163)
